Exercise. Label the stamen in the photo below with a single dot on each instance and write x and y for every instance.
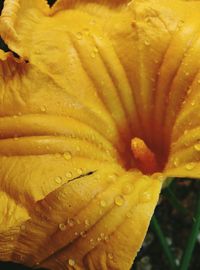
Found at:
(145, 159)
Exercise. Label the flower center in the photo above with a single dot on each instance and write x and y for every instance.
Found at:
(144, 158)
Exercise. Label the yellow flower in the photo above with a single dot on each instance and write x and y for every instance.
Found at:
(101, 106)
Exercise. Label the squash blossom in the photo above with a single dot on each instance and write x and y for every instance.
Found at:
(101, 105)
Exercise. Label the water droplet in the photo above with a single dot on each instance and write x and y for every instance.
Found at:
(146, 42)
(119, 200)
(95, 50)
(67, 155)
(106, 238)
(58, 179)
(145, 197)
(102, 235)
(190, 166)
(68, 175)
(93, 55)
(198, 81)
(83, 234)
(71, 262)
(188, 92)
(92, 242)
(79, 35)
(78, 221)
(127, 189)
(71, 222)
(80, 171)
(197, 147)
(110, 256)
(43, 108)
(176, 162)
(98, 239)
(76, 233)
(62, 226)
(103, 203)
(87, 223)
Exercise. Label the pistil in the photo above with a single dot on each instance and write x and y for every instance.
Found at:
(144, 158)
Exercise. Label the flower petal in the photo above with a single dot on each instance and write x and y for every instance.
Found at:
(12, 217)
(18, 19)
(184, 158)
(98, 220)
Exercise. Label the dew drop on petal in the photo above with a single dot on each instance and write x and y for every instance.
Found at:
(103, 203)
(102, 235)
(58, 179)
(71, 222)
(62, 227)
(110, 256)
(106, 238)
(78, 221)
(127, 189)
(119, 200)
(197, 147)
(79, 35)
(67, 155)
(80, 171)
(68, 175)
(176, 162)
(71, 262)
(92, 241)
(87, 223)
(190, 166)
(93, 55)
(145, 197)
(43, 108)
(83, 234)
(95, 50)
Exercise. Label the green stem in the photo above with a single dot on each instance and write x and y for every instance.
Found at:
(174, 201)
(185, 262)
(156, 227)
